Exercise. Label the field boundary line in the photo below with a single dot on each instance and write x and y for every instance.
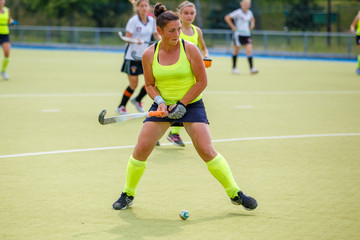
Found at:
(167, 144)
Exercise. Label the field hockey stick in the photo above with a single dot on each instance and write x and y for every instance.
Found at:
(123, 118)
(131, 40)
(135, 57)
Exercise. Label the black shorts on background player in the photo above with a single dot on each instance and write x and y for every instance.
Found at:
(243, 40)
(132, 68)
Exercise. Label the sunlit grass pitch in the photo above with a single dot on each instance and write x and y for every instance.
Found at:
(290, 135)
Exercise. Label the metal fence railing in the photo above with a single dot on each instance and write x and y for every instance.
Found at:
(313, 44)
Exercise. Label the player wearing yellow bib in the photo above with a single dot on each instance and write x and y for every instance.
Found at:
(356, 25)
(191, 33)
(5, 20)
(175, 76)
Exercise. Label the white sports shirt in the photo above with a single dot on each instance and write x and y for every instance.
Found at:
(141, 31)
(242, 21)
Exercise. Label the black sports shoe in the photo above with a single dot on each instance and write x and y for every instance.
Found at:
(248, 202)
(123, 202)
(157, 143)
(175, 139)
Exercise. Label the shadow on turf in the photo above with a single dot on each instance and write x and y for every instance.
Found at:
(140, 228)
(163, 154)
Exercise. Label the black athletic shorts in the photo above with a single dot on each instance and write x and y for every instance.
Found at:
(195, 112)
(133, 68)
(357, 39)
(4, 38)
(241, 40)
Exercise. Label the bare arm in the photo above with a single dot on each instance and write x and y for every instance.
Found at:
(354, 23)
(202, 44)
(228, 20)
(10, 18)
(252, 23)
(198, 69)
(147, 60)
(151, 89)
(129, 35)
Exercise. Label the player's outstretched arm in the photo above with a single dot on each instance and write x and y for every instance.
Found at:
(11, 20)
(252, 23)
(205, 52)
(202, 44)
(354, 22)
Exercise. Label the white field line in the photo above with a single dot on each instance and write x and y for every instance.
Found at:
(167, 144)
(40, 95)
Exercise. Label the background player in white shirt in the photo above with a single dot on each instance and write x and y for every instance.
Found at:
(244, 23)
(140, 27)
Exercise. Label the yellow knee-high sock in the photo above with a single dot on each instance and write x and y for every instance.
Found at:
(4, 64)
(220, 169)
(175, 130)
(135, 170)
(358, 61)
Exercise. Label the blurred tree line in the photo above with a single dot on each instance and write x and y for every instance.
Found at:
(294, 15)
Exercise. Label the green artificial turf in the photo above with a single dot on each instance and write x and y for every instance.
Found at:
(291, 135)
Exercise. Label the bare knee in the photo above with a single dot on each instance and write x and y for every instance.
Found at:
(133, 85)
(6, 47)
(207, 154)
(142, 151)
(249, 50)
(133, 81)
(236, 50)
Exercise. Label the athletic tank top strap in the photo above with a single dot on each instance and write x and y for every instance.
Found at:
(182, 40)
(173, 81)
(194, 38)
(158, 42)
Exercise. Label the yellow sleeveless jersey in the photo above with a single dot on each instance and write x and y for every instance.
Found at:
(173, 81)
(358, 27)
(4, 21)
(194, 38)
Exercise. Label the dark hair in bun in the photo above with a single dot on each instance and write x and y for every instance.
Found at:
(159, 9)
(163, 16)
